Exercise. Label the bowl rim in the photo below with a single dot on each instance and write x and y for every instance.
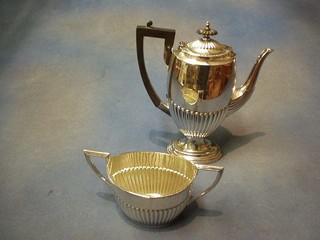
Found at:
(114, 184)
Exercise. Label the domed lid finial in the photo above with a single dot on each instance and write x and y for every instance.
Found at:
(207, 31)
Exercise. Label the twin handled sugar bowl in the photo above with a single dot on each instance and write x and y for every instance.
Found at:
(201, 88)
(152, 188)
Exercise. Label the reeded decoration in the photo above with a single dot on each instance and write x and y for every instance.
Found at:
(151, 188)
(201, 88)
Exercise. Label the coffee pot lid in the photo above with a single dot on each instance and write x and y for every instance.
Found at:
(205, 51)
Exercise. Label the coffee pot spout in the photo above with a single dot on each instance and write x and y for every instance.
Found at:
(242, 94)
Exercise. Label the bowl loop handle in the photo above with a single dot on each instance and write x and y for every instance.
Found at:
(105, 155)
(216, 180)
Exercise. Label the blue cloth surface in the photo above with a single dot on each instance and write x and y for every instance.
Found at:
(69, 80)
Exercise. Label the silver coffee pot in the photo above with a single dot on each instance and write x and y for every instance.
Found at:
(201, 88)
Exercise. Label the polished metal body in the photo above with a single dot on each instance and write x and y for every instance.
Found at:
(151, 188)
(201, 88)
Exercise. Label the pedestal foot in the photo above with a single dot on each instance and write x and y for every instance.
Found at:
(199, 151)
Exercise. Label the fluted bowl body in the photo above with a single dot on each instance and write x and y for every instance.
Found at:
(151, 188)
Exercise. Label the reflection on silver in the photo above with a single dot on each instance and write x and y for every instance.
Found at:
(196, 124)
(152, 188)
(201, 88)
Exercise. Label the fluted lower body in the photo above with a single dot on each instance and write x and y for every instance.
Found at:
(196, 126)
(149, 217)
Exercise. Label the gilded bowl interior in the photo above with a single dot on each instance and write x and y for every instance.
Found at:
(151, 174)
